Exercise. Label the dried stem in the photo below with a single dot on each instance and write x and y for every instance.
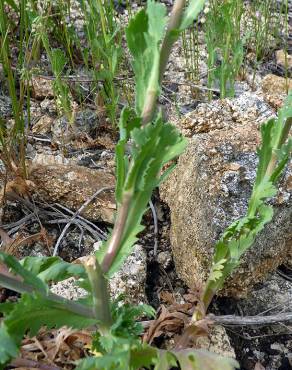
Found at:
(232, 320)
(24, 363)
(253, 320)
(76, 214)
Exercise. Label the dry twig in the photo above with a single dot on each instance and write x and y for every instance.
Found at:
(84, 205)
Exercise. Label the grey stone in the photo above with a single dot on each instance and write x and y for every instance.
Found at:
(217, 342)
(164, 259)
(129, 281)
(270, 297)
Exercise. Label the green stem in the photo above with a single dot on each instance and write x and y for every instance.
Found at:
(13, 283)
(148, 112)
(117, 234)
(101, 299)
(170, 37)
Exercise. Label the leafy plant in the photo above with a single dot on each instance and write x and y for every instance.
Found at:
(274, 154)
(12, 139)
(154, 143)
(190, 47)
(104, 51)
(264, 28)
(264, 20)
(117, 348)
(224, 44)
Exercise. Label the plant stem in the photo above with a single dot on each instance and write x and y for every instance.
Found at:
(147, 115)
(101, 300)
(117, 233)
(12, 282)
(169, 38)
(282, 139)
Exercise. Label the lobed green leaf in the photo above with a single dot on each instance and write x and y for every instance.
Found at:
(152, 147)
(239, 236)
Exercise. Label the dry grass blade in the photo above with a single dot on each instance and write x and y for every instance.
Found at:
(76, 214)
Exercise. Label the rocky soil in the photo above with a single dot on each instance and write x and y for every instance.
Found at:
(210, 187)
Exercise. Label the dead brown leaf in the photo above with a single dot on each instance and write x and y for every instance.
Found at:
(175, 320)
(53, 348)
(194, 331)
(18, 186)
(11, 246)
(167, 323)
(6, 240)
(167, 297)
(259, 366)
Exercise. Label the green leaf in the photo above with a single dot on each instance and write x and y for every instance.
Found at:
(113, 361)
(28, 277)
(121, 168)
(125, 247)
(265, 189)
(52, 268)
(128, 121)
(143, 356)
(125, 319)
(216, 271)
(274, 154)
(265, 151)
(134, 355)
(29, 314)
(156, 13)
(118, 356)
(34, 311)
(14, 5)
(192, 359)
(152, 146)
(283, 156)
(191, 13)
(144, 34)
(6, 307)
(165, 360)
(8, 347)
(58, 61)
